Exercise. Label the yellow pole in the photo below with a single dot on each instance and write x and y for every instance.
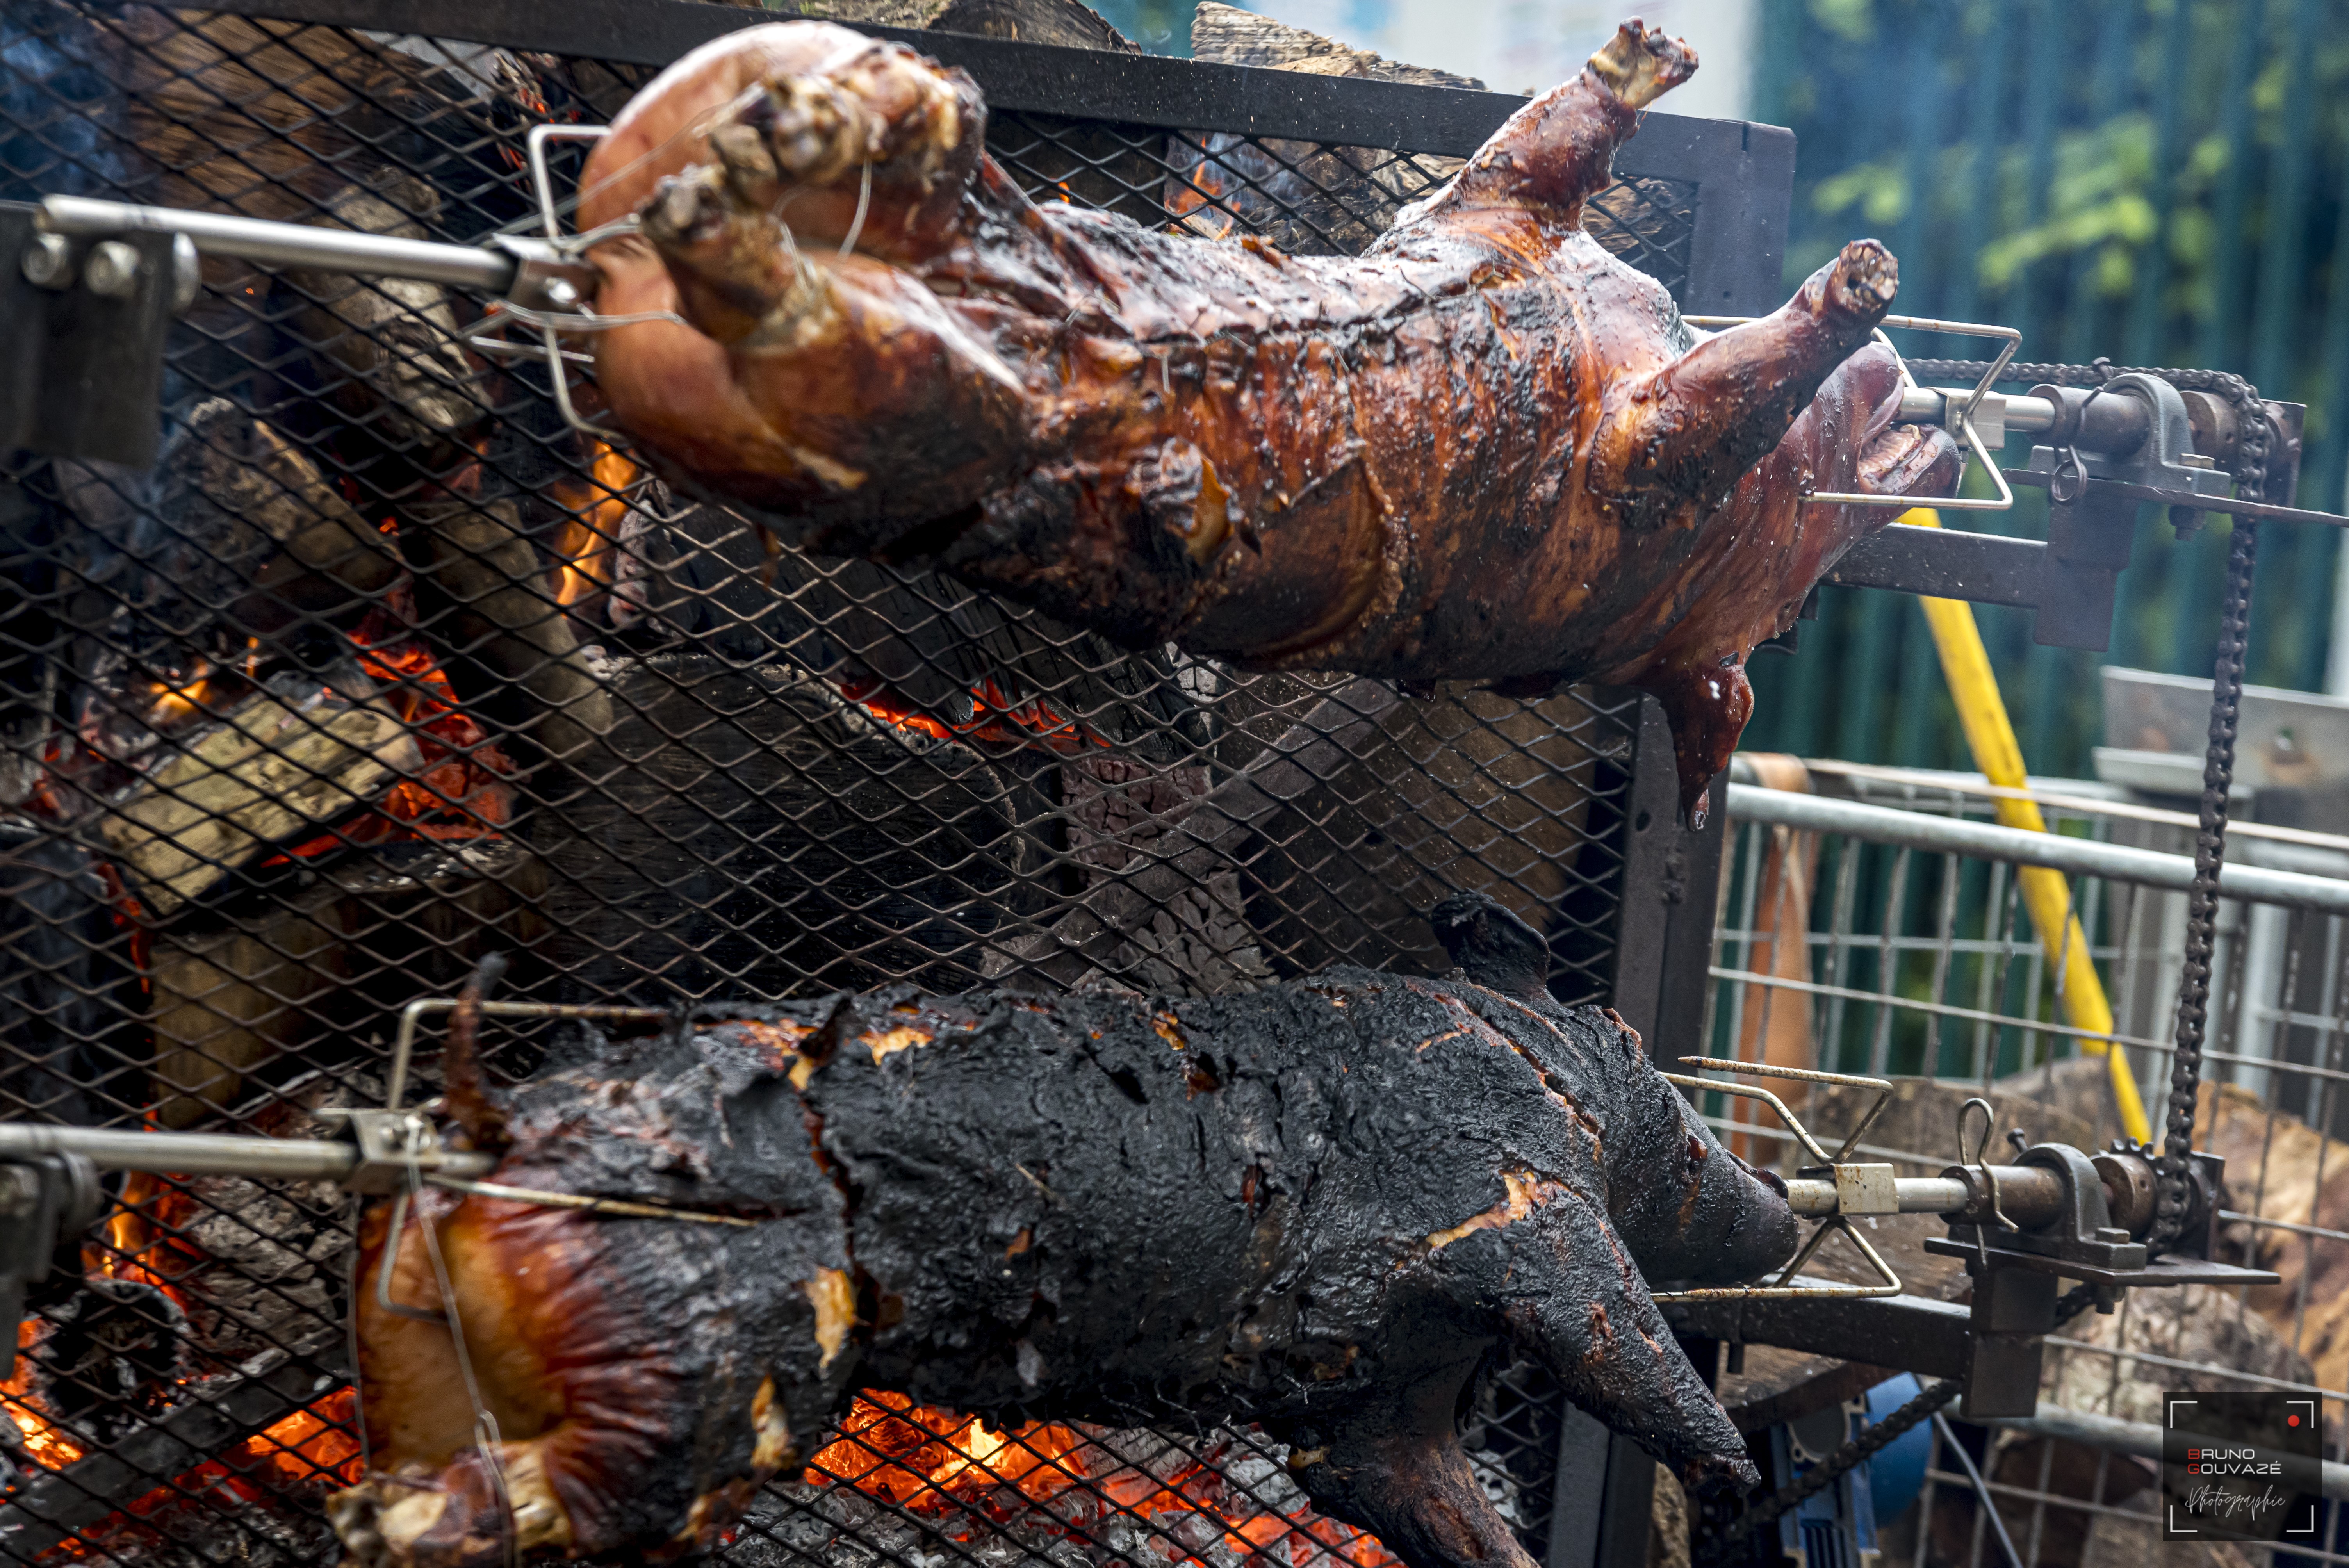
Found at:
(1965, 664)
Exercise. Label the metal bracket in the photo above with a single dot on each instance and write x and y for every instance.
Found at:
(1961, 422)
(44, 1199)
(403, 1047)
(1864, 1180)
(2090, 530)
(81, 365)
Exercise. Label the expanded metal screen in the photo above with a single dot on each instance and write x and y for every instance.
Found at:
(382, 668)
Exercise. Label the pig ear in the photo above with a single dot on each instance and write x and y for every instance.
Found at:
(1581, 1308)
(472, 1104)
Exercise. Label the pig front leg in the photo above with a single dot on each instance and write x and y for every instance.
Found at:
(1673, 444)
(1559, 151)
(1395, 1468)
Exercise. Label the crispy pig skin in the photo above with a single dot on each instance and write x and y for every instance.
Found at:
(1325, 1206)
(1484, 450)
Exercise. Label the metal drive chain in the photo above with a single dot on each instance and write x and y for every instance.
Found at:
(1833, 1469)
(2217, 759)
(1857, 1451)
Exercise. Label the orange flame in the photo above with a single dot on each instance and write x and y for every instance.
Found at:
(46, 1442)
(140, 1245)
(174, 702)
(314, 1445)
(938, 1463)
(589, 541)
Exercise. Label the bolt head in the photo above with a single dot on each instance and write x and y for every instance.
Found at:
(187, 273)
(48, 262)
(20, 1191)
(113, 271)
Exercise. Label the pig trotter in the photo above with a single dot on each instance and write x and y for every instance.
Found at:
(1640, 64)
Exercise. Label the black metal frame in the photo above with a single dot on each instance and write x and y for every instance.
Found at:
(1741, 175)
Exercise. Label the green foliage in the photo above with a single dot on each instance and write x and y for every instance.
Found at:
(1161, 26)
(2150, 224)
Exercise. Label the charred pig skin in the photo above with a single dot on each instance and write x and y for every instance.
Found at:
(1324, 1206)
(1484, 450)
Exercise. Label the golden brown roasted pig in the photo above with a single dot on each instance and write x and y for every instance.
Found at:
(1483, 450)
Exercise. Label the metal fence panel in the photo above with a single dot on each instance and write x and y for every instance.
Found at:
(1848, 946)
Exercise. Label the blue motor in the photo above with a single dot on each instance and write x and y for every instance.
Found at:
(1836, 1528)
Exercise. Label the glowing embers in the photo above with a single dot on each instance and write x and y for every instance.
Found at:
(995, 718)
(89, 1378)
(1214, 1501)
(48, 1444)
(462, 789)
(267, 1486)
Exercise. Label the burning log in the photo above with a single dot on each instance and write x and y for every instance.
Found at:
(1471, 426)
(228, 1000)
(281, 761)
(1345, 825)
(1323, 1207)
(516, 655)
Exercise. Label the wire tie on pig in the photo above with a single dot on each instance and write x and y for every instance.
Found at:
(864, 202)
(487, 1437)
(577, 1200)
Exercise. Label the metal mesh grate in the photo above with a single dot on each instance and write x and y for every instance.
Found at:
(381, 666)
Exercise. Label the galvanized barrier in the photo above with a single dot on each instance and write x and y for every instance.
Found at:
(1877, 925)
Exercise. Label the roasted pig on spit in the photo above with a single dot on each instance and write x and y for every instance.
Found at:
(1482, 450)
(1324, 1206)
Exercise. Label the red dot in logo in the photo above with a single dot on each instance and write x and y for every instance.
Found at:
(2291, 1420)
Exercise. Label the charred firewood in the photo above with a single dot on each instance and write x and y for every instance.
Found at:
(1323, 1207)
(754, 830)
(1306, 198)
(231, 996)
(1070, 24)
(70, 1004)
(1325, 841)
(1485, 451)
(483, 592)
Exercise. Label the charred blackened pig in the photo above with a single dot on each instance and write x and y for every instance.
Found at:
(1324, 1206)
(1484, 450)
